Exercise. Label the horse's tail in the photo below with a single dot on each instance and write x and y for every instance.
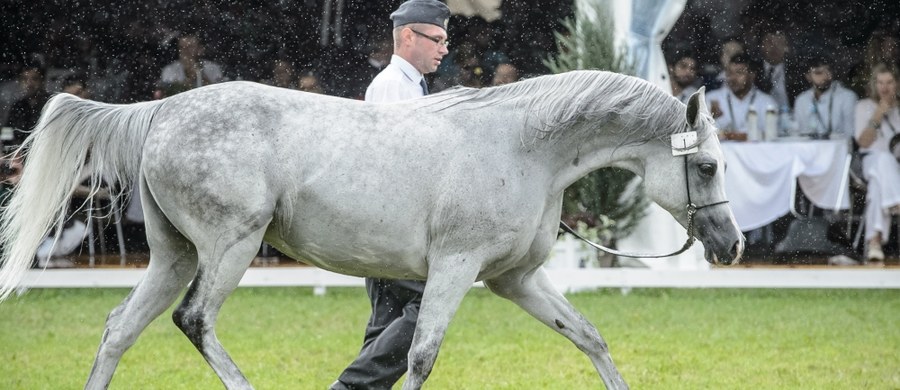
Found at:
(74, 139)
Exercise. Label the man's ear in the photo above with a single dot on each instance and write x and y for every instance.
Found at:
(696, 105)
(408, 35)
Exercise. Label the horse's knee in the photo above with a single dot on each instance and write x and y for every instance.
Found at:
(190, 322)
(188, 316)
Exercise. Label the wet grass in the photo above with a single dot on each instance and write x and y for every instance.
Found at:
(659, 338)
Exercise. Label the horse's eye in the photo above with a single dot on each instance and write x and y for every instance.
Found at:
(708, 169)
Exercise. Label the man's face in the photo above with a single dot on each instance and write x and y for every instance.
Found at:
(774, 48)
(739, 78)
(729, 50)
(820, 77)
(684, 72)
(189, 47)
(428, 47)
(31, 81)
(505, 74)
(886, 85)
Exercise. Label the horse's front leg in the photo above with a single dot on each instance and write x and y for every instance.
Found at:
(448, 281)
(534, 293)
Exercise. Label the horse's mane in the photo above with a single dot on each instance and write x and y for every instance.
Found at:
(555, 102)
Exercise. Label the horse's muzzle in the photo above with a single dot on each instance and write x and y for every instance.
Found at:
(733, 257)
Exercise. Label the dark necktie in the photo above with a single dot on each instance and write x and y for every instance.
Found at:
(767, 85)
(424, 86)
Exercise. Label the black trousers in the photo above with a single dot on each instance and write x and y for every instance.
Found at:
(389, 333)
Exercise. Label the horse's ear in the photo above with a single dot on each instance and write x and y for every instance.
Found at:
(696, 105)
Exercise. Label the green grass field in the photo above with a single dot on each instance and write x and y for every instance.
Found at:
(286, 338)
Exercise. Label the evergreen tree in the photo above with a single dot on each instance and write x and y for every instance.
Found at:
(608, 201)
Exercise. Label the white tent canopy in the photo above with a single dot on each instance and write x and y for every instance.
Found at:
(487, 9)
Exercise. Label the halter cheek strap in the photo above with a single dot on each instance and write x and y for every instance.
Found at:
(681, 146)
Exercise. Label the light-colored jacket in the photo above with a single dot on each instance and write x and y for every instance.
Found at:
(833, 112)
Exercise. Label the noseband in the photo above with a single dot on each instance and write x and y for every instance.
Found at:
(680, 147)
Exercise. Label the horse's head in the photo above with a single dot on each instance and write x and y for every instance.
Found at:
(691, 180)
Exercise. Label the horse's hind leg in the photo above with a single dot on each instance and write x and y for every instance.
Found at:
(534, 293)
(222, 264)
(173, 262)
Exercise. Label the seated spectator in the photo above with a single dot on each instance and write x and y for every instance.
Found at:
(310, 82)
(190, 70)
(25, 112)
(826, 109)
(473, 58)
(467, 71)
(10, 173)
(730, 47)
(282, 75)
(505, 73)
(882, 48)
(359, 73)
(779, 79)
(683, 74)
(482, 35)
(731, 105)
(877, 121)
(76, 84)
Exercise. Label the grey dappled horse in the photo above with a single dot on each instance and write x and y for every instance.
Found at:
(455, 187)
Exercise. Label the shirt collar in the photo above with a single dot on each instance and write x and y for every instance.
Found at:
(408, 70)
(748, 97)
(831, 91)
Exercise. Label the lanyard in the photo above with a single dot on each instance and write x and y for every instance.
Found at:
(731, 109)
(830, 106)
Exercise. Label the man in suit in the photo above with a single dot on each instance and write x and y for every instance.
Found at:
(779, 78)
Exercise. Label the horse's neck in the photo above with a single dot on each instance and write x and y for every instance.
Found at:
(571, 152)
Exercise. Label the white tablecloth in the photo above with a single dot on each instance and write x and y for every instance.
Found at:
(759, 177)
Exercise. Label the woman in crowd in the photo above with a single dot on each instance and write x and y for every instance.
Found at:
(877, 121)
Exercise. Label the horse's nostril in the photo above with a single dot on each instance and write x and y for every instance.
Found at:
(736, 251)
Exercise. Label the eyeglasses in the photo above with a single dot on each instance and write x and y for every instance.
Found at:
(440, 41)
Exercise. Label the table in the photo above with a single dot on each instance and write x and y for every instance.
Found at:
(760, 177)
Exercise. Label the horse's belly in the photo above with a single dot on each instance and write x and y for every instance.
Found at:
(354, 249)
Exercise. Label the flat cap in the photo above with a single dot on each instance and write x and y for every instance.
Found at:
(422, 11)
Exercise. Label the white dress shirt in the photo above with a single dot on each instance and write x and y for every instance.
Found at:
(686, 93)
(833, 113)
(397, 81)
(735, 110)
(210, 71)
(889, 124)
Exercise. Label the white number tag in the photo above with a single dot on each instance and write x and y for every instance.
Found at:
(681, 143)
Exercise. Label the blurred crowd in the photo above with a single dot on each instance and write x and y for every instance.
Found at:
(802, 72)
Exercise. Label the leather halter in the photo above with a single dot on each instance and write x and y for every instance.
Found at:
(692, 210)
